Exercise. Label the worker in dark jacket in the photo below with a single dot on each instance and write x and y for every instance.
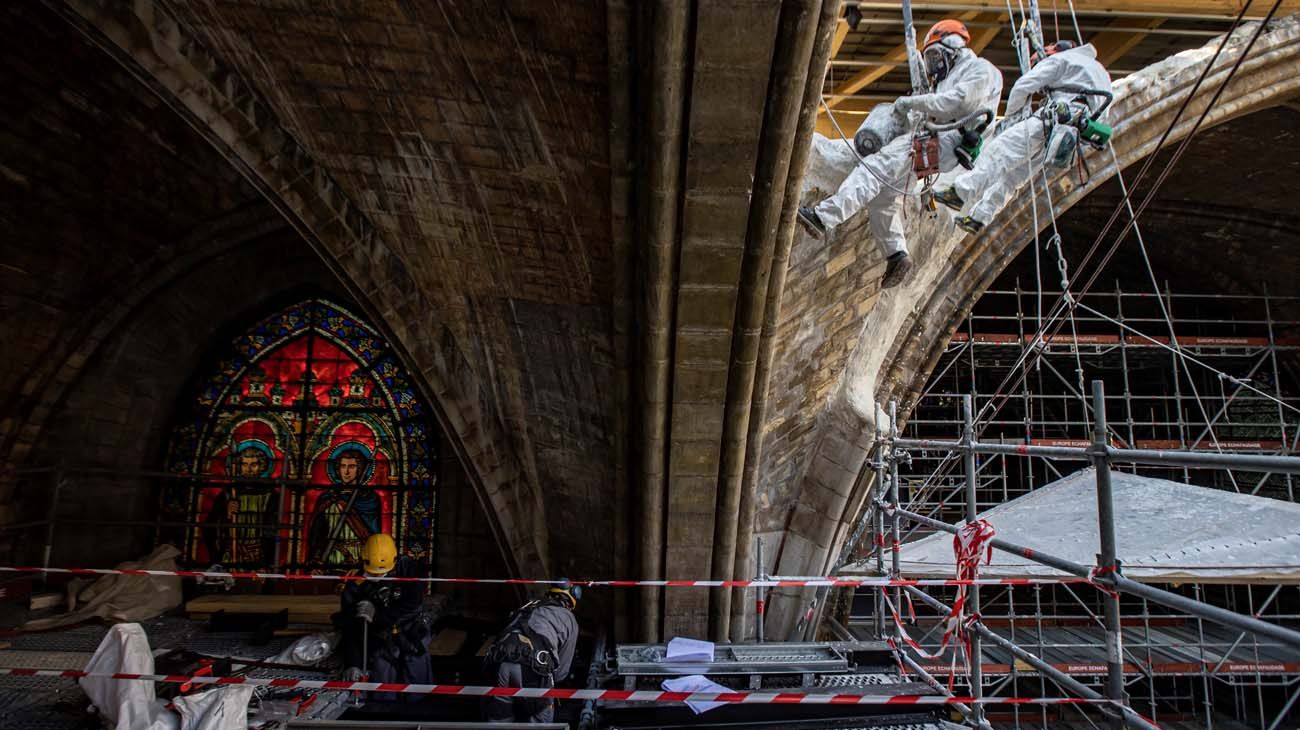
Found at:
(534, 650)
(384, 626)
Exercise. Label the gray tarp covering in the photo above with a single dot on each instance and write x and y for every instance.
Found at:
(1166, 532)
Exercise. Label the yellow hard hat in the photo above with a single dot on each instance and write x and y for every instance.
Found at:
(566, 590)
(379, 554)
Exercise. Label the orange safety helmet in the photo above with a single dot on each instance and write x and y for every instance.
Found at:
(945, 28)
(1052, 50)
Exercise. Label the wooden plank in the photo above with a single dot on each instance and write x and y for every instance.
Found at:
(841, 32)
(302, 609)
(1111, 45)
(1227, 9)
(839, 99)
(448, 642)
(982, 37)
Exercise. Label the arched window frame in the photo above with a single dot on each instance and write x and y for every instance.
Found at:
(279, 467)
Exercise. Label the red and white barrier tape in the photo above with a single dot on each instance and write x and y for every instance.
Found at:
(453, 690)
(802, 581)
(972, 542)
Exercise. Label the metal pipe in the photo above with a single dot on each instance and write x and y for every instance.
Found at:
(1068, 683)
(587, 720)
(760, 606)
(895, 566)
(1127, 585)
(1106, 560)
(52, 516)
(976, 656)
(1156, 457)
(879, 528)
(929, 679)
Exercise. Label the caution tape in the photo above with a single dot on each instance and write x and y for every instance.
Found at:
(828, 581)
(455, 690)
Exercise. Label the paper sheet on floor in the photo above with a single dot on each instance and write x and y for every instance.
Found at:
(696, 683)
(682, 649)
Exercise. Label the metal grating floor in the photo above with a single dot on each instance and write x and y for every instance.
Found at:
(51, 703)
(855, 680)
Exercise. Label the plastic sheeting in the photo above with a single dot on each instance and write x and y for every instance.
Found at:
(123, 597)
(126, 705)
(308, 651)
(216, 709)
(1165, 532)
(132, 704)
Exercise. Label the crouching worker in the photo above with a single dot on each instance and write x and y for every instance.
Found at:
(1078, 91)
(964, 85)
(385, 629)
(534, 650)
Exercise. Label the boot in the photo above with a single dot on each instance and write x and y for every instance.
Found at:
(968, 224)
(950, 198)
(810, 221)
(897, 268)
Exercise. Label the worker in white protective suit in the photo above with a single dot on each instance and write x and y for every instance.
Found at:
(964, 84)
(1019, 150)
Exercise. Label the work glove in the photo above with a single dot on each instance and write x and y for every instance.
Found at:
(366, 611)
(906, 104)
(354, 674)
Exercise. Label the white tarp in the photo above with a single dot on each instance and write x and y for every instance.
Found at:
(122, 597)
(1165, 532)
(131, 704)
(125, 704)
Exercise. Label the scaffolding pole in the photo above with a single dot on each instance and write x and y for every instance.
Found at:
(976, 656)
(1068, 683)
(1107, 564)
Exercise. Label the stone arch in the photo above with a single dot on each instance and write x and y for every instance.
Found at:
(904, 331)
(232, 116)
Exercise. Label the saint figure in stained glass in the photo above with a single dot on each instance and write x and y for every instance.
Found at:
(305, 439)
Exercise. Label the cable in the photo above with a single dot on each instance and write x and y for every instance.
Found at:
(1062, 305)
(862, 162)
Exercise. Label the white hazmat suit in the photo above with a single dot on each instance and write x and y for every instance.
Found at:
(879, 181)
(1017, 152)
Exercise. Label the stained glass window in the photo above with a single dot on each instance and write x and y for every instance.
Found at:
(303, 439)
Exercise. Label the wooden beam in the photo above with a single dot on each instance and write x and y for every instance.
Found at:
(871, 74)
(1112, 45)
(841, 32)
(1226, 9)
(850, 111)
(984, 36)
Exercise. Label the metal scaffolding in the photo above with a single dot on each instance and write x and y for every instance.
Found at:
(1229, 421)
(1105, 574)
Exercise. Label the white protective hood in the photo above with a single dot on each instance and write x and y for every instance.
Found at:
(1166, 532)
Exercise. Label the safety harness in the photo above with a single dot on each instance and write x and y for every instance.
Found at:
(406, 637)
(925, 143)
(520, 645)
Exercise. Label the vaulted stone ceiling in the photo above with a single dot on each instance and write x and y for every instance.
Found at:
(577, 220)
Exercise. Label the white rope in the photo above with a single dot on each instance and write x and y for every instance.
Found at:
(1189, 358)
(1164, 311)
(1075, 20)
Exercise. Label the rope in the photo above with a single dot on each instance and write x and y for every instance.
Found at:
(862, 162)
(1054, 323)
